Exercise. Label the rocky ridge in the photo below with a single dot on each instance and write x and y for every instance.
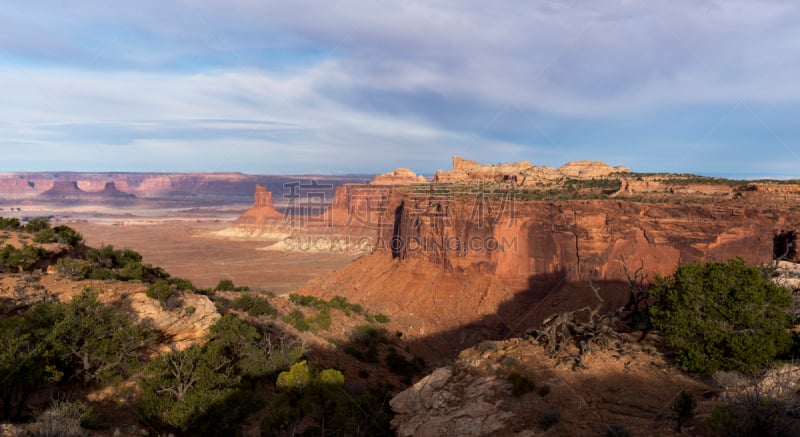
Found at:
(524, 173)
(400, 176)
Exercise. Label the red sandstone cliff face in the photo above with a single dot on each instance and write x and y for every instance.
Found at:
(470, 269)
(578, 240)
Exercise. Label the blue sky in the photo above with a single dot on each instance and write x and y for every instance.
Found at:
(257, 86)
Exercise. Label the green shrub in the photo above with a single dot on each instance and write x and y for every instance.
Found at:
(340, 303)
(722, 316)
(44, 236)
(543, 390)
(13, 259)
(549, 418)
(298, 320)
(225, 285)
(132, 270)
(369, 335)
(401, 366)
(381, 318)
(322, 320)
(102, 274)
(11, 224)
(486, 346)
(160, 290)
(37, 224)
(320, 402)
(228, 285)
(308, 301)
(181, 284)
(67, 235)
(298, 377)
(254, 306)
(99, 342)
(520, 384)
(684, 407)
(207, 390)
(74, 269)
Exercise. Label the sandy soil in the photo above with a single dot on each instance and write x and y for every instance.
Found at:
(184, 249)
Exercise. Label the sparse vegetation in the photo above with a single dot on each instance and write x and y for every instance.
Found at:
(10, 224)
(767, 404)
(615, 430)
(520, 384)
(13, 259)
(206, 389)
(549, 418)
(315, 402)
(297, 319)
(684, 407)
(254, 306)
(82, 340)
(161, 290)
(63, 419)
(228, 285)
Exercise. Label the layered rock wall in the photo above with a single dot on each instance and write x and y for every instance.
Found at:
(524, 173)
(576, 240)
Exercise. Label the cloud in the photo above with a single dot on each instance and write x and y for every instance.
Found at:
(384, 83)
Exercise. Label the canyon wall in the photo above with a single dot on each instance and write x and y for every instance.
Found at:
(470, 261)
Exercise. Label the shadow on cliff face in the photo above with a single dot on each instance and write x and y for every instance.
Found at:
(784, 246)
(544, 296)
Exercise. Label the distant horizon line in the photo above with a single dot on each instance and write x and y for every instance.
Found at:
(750, 176)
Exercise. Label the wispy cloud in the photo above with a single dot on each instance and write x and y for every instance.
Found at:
(363, 86)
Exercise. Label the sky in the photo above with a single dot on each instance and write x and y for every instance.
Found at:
(258, 86)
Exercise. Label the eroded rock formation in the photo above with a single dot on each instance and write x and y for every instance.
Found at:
(69, 191)
(400, 176)
(523, 172)
(470, 262)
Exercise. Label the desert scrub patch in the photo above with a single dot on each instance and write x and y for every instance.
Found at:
(254, 306)
(520, 384)
(549, 418)
(228, 285)
(297, 319)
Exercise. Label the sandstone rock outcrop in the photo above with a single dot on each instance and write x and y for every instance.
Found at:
(473, 396)
(590, 169)
(524, 173)
(452, 402)
(400, 176)
(182, 328)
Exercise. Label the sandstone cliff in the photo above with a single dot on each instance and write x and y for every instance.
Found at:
(69, 191)
(400, 176)
(524, 173)
(465, 266)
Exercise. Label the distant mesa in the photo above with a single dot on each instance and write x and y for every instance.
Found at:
(400, 176)
(523, 172)
(68, 191)
(590, 169)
